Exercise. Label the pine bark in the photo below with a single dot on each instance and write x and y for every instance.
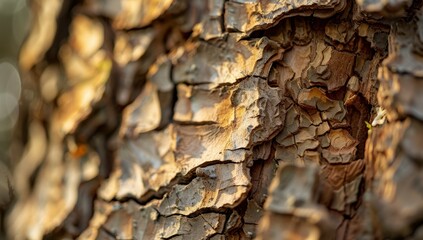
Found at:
(178, 119)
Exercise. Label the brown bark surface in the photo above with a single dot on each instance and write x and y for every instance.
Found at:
(236, 119)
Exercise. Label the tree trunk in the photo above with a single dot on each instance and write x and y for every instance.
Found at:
(179, 119)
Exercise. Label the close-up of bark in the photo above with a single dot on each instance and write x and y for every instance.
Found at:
(219, 119)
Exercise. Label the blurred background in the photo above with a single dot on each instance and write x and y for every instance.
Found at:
(13, 27)
(14, 24)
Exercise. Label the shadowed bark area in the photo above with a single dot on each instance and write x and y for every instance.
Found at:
(178, 119)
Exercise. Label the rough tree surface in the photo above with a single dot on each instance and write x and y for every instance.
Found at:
(221, 119)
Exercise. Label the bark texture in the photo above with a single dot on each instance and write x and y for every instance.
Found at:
(236, 119)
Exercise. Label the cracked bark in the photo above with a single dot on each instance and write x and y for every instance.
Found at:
(177, 119)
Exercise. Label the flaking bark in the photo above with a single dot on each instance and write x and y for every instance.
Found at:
(178, 119)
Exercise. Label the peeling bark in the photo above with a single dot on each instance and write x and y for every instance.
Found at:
(179, 119)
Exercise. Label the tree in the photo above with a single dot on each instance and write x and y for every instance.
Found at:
(179, 119)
